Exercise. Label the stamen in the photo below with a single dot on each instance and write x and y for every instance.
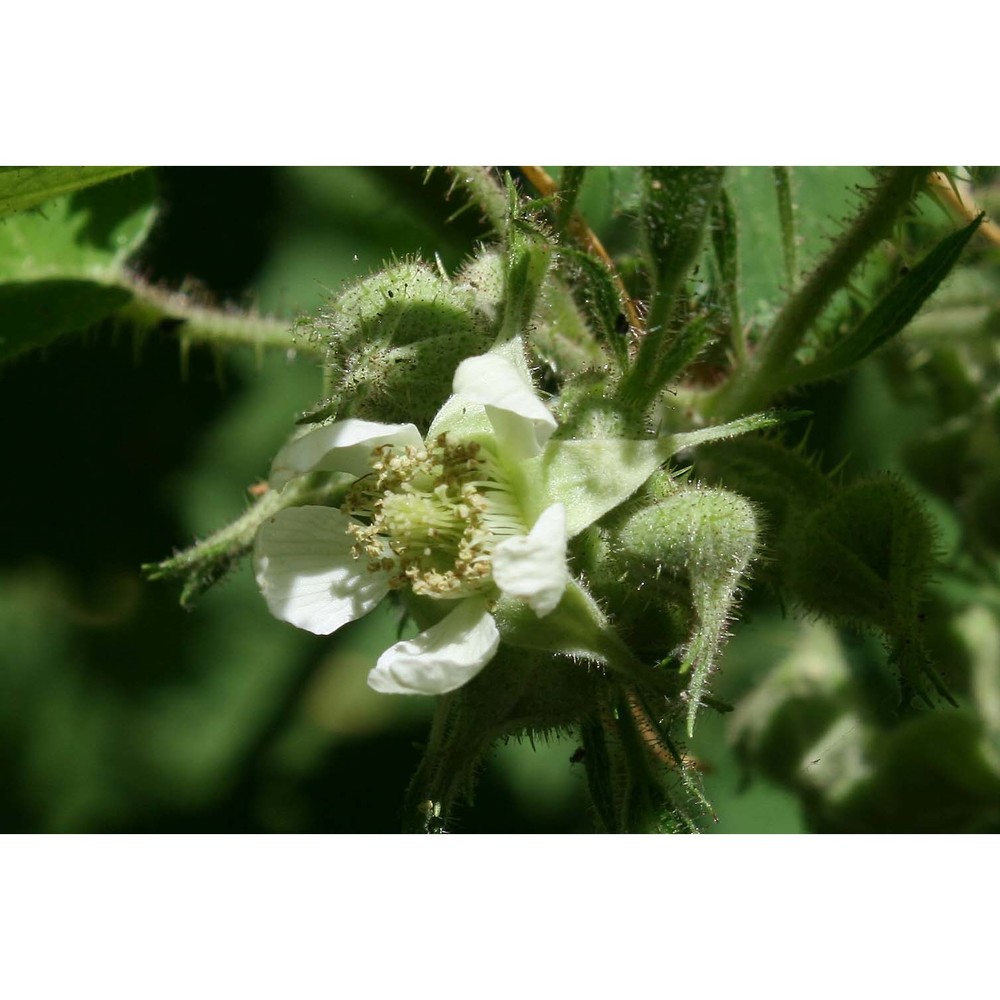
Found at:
(431, 516)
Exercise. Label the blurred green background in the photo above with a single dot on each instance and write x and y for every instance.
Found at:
(121, 712)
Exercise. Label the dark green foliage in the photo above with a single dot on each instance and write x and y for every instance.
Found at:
(677, 511)
(62, 266)
(36, 313)
(893, 312)
(23, 188)
(864, 558)
(677, 206)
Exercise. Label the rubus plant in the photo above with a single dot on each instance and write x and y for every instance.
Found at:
(564, 465)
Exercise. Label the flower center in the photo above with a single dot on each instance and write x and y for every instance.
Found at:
(432, 515)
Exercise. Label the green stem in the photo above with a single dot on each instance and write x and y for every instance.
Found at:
(433, 787)
(752, 387)
(725, 241)
(209, 560)
(570, 182)
(483, 189)
(786, 215)
(152, 306)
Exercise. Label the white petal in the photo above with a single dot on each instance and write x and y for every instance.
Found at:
(441, 658)
(533, 566)
(307, 574)
(522, 422)
(344, 446)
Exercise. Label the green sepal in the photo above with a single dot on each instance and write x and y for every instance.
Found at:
(786, 485)
(595, 476)
(592, 477)
(576, 628)
(580, 630)
(585, 411)
(781, 479)
(676, 205)
(207, 562)
(527, 261)
(734, 428)
(562, 336)
(866, 554)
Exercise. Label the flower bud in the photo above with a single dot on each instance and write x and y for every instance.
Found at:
(706, 537)
(394, 340)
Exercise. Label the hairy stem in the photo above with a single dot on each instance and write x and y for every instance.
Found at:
(577, 227)
(753, 386)
(786, 215)
(152, 306)
(483, 189)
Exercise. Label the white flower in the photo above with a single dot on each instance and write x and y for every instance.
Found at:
(452, 518)
(477, 516)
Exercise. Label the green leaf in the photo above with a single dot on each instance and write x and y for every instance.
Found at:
(893, 312)
(884, 205)
(824, 194)
(62, 266)
(35, 313)
(722, 432)
(88, 234)
(26, 187)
